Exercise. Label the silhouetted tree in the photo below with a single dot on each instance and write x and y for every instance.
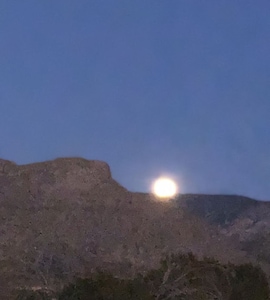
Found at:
(183, 276)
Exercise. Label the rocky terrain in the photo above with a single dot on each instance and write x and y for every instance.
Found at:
(69, 216)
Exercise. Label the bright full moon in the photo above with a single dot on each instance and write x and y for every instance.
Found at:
(164, 187)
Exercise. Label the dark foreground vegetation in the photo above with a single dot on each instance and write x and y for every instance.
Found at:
(181, 276)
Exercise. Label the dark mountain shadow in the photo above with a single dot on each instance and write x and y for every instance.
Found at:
(217, 209)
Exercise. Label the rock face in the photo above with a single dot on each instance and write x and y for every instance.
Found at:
(69, 216)
(39, 206)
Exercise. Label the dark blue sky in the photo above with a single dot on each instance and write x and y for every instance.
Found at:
(179, 87)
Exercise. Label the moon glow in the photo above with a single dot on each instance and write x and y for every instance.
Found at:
(164, 187)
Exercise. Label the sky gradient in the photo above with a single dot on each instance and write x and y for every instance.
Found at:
(179, 87)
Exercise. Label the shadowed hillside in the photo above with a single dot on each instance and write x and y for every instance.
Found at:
(217, 209)
(245, 220)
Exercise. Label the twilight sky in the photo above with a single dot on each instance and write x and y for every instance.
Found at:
(180, 87)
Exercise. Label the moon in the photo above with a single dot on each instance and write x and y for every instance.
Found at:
(164, 187)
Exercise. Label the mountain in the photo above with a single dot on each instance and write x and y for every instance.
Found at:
(67, 217)
(245, 220)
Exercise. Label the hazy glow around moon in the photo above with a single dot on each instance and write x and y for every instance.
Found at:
(164, 187)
